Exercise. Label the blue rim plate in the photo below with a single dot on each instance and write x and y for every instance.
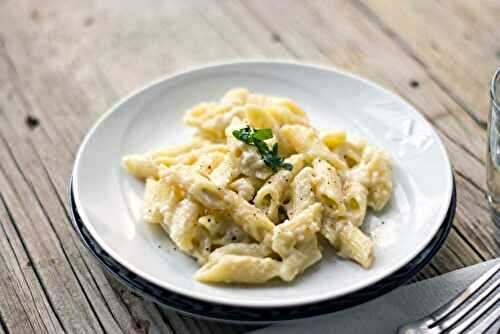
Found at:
(228, 313)
(105, 193)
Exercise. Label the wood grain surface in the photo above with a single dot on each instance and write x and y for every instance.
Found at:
(64, 63)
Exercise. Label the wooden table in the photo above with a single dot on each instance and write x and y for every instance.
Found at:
(63, 63)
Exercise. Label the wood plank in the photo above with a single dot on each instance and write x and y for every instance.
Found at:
(474, 220)
(145, 316)
(427, 272)
(454, 244)
(24, 305)
(461, 55)
(48, 257)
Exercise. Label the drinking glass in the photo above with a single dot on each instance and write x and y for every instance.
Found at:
(493, 158)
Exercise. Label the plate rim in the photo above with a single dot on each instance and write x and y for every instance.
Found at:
(435, 245)
(245, 303)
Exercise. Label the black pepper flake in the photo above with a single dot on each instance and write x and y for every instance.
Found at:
(233, 238)
(269, 182)
(209, 220)
(175, 248)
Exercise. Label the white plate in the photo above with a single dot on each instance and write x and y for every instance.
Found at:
(109, 199)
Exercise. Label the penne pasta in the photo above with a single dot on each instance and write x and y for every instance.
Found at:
(248, 195)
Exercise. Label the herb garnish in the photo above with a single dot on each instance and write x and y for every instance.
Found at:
(256, 138)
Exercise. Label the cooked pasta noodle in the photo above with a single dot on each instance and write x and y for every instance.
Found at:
(257, 185)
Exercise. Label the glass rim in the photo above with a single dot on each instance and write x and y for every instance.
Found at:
(493, 89)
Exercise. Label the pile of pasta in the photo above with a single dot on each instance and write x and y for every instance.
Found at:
(245, 223)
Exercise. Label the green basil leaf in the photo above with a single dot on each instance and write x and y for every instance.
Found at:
(256, 138)
(263, 134)
(237, 134)
(275, 149)
(244, 134)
